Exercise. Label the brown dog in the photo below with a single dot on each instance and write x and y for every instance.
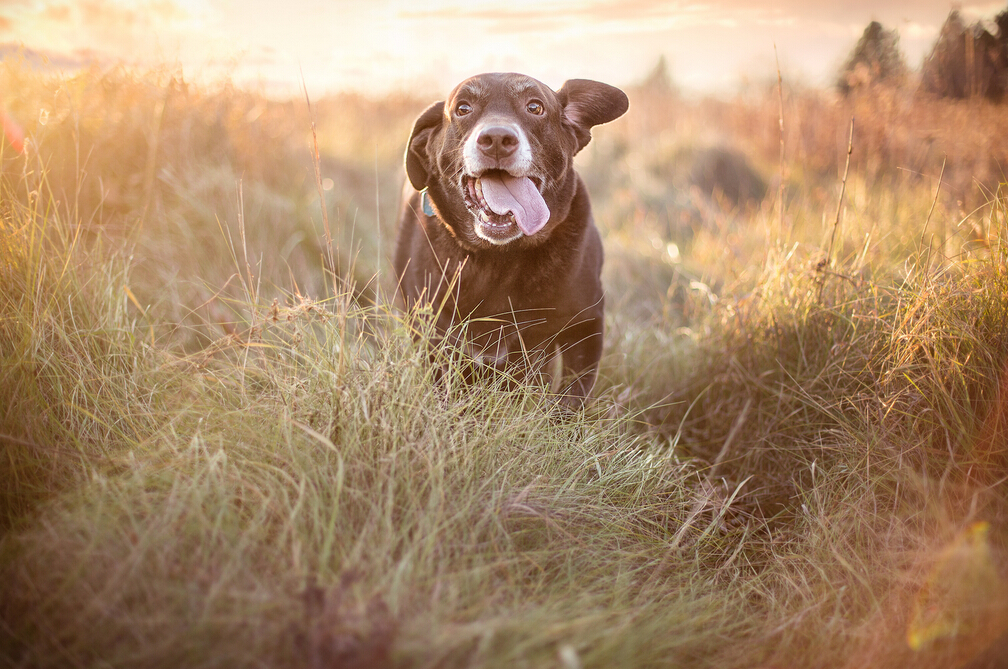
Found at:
(496, 233)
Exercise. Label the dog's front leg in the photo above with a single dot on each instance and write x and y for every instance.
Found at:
(581, 348)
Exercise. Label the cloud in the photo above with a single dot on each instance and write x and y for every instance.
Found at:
(536, 15)
(134, 31)
(533, 16)
(115, 15)
(57, 13)
(380, 43)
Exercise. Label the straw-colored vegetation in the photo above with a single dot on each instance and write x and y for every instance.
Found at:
(221, 447)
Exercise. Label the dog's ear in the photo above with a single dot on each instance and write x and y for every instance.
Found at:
(588, 103)
(417, 158)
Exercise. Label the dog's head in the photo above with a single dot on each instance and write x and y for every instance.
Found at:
(496, 157)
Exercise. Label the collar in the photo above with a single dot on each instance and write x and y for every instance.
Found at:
(425, 203)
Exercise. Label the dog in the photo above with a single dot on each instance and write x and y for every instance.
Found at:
(496, 234)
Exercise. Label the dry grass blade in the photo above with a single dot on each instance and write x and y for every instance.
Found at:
(780, 124)
(941, 175)
(843, 191)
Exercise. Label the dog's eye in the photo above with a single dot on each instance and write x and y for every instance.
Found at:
(462, 108)
(535, 107)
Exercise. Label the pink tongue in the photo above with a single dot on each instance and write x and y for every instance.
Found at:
(518, 195)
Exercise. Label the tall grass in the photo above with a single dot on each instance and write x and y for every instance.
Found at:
(212, 460)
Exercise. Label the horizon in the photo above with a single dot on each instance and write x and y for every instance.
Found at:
(391, 46)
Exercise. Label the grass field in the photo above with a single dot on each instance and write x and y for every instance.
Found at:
(222, 448)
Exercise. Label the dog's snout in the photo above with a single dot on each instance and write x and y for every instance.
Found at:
(498, 141)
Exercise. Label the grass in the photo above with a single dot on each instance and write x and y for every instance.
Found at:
(220, 449)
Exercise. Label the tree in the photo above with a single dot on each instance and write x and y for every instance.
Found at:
(968, 61)
(660, 79)
(876, 59)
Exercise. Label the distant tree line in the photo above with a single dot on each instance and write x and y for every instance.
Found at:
(966, 60)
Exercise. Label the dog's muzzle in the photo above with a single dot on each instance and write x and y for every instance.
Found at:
(505, 206)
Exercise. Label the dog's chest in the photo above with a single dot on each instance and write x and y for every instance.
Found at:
(506, 284)
(509, 308)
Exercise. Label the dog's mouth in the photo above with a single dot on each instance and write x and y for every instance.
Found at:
(504, 206)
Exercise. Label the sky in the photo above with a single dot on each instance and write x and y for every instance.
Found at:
(380, 46)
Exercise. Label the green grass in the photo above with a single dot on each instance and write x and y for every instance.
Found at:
(220, 449)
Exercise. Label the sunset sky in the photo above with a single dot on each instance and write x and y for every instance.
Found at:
(382, 45)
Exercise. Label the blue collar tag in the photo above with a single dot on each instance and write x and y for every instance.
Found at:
(425, 203)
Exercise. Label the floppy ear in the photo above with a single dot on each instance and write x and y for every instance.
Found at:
(417, 159)
(588, 103)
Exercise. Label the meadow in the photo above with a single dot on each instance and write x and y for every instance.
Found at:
(222, 447)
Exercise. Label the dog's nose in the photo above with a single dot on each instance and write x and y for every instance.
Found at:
(497, 141)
